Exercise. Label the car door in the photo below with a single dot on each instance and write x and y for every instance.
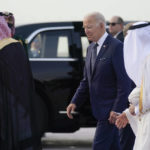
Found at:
(56, 72)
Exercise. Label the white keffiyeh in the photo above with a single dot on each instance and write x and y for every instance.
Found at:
(137, 64)
(136, 49)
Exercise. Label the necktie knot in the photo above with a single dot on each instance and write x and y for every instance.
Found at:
(96, 44)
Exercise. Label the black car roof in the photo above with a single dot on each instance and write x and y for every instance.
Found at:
(25, 30)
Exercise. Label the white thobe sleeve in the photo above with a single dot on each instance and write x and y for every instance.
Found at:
(132, 121)
(136, 110)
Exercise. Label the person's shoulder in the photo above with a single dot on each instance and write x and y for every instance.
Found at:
(116, 46)
(120, 36)
(7, 42)
(114, 41)
(13, 44)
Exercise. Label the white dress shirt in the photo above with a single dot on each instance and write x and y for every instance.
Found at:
(101, 41)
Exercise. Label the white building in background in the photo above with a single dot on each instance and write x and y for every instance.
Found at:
(31, 11)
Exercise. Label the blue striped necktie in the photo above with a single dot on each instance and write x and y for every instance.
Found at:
(94, 55)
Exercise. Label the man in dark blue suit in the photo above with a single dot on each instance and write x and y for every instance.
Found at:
(106, 81)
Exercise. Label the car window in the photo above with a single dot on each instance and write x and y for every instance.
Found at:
(35, 47)
(50, 44)
(63, 48)
(85, 44)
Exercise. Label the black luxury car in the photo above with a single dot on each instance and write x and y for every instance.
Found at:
(56, 52)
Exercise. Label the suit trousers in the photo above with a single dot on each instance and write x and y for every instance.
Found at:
(106, 137)
(127, 138)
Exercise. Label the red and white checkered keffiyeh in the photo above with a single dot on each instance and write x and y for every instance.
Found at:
(5, 31)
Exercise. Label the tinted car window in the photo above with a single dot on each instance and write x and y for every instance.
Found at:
(85, 44)
(50, 44)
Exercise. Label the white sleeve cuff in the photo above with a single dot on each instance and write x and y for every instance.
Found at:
(136, 110)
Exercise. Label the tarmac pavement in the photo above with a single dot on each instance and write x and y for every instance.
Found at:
(81, 138)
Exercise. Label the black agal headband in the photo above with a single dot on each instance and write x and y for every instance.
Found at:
(139, 26)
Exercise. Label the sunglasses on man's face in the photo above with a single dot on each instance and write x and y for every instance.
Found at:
(112, 23)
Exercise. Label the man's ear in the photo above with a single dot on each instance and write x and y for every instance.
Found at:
(101, 25)
(121, 26)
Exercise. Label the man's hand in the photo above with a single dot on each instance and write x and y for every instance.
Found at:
(112, 118)
(132, 110)
(121, 121)
(70, 108)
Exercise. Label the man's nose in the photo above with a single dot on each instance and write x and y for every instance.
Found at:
(86, 31)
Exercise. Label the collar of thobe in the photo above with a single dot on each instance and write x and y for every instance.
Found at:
(6, 41)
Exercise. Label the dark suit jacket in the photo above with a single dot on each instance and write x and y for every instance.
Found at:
(120, 37)
(109, 84)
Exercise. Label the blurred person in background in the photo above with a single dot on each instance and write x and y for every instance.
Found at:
(126, 28)
(17, 121)
(116, 24)
(35, 48)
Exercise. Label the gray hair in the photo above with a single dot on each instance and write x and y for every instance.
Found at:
(98, 17)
